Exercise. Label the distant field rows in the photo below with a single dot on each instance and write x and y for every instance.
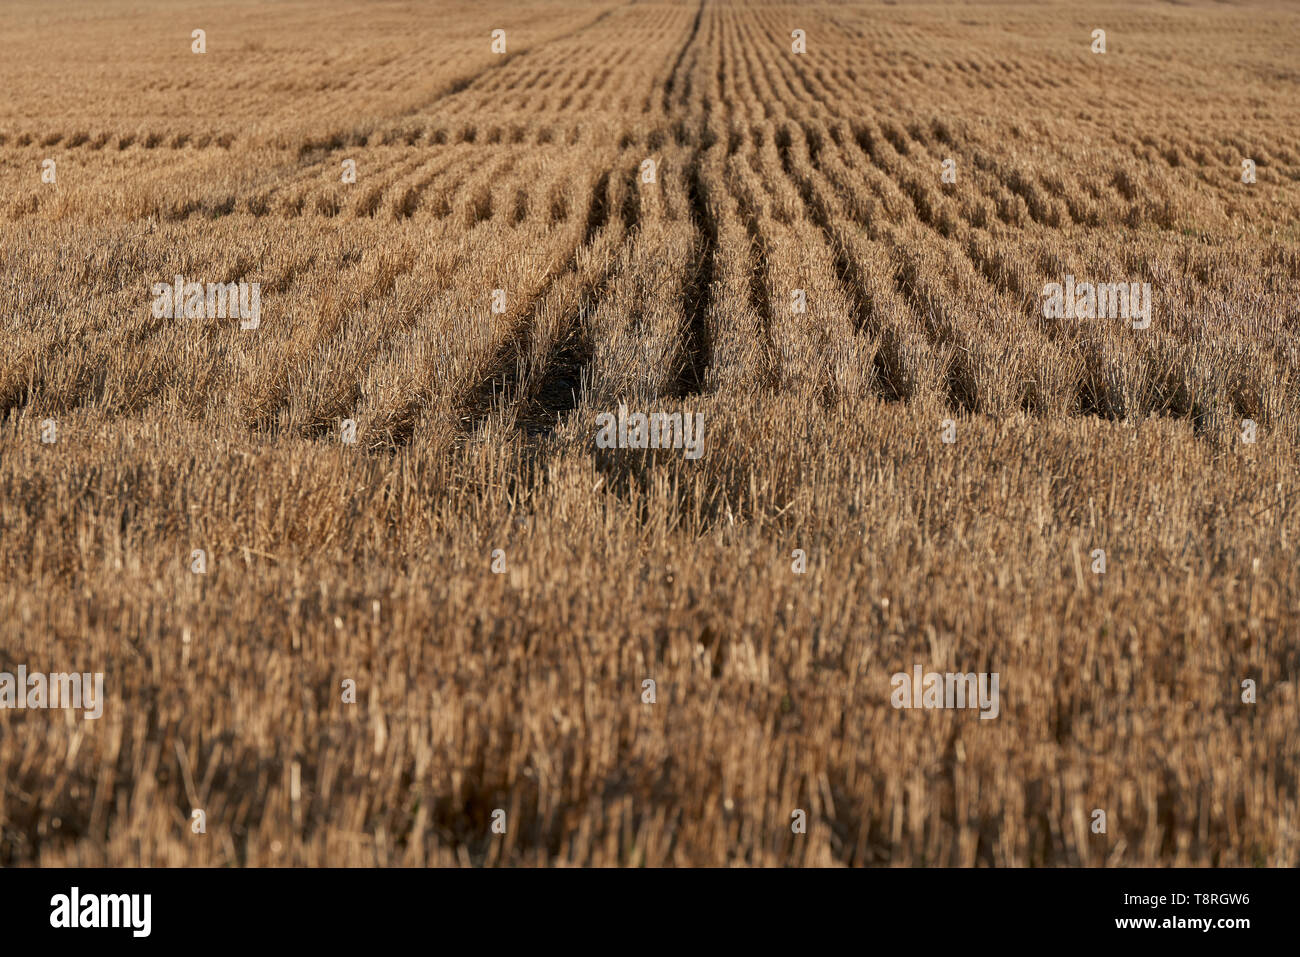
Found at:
(916, 275)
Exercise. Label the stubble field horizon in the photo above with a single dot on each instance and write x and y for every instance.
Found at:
(366, 585)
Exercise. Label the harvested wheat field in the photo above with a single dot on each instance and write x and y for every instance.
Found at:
(332, 339)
